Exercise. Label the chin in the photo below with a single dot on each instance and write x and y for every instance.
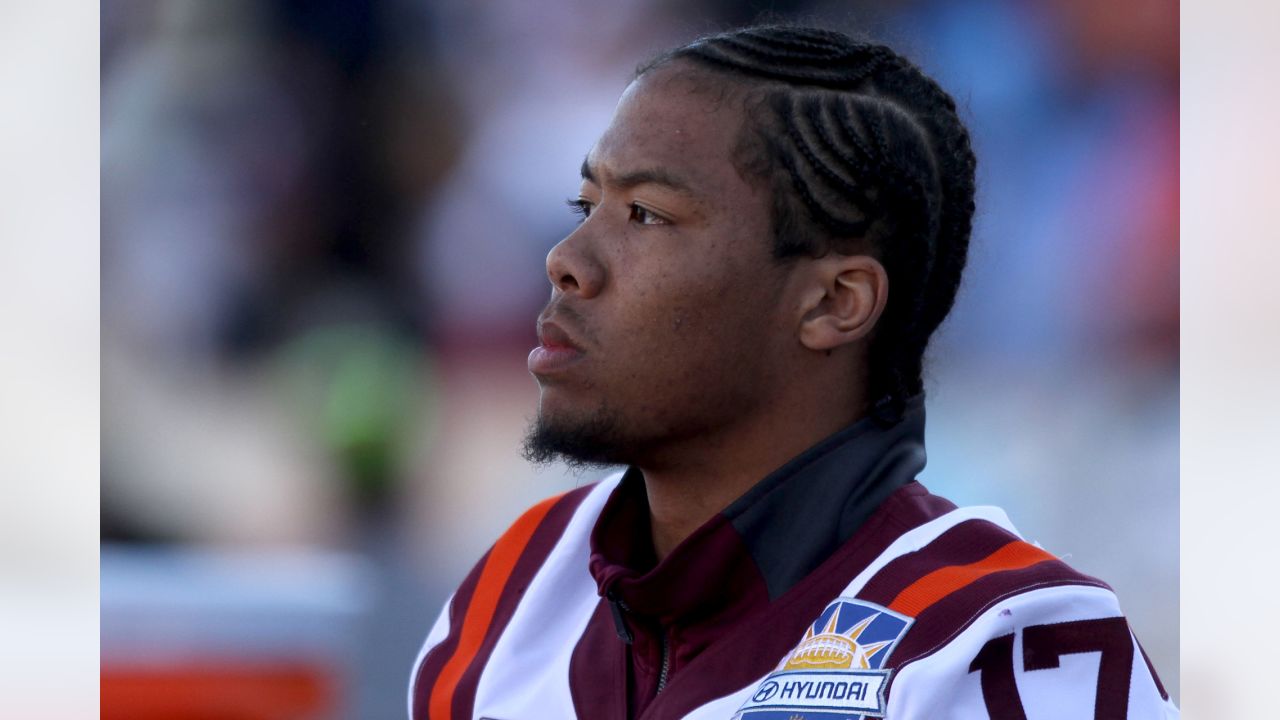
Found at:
(577, 436)
(559, 406)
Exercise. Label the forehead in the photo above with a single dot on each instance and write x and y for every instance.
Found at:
(678, 119)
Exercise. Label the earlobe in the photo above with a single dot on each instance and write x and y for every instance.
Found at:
(846, 301)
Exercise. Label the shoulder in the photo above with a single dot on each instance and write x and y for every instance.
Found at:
(973, 559)
(988, 612)
(1056, 650)
(479, 610)
(549, 516)
(524, 546)
(544, 523)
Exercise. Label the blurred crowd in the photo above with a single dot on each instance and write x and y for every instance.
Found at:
(323, 232)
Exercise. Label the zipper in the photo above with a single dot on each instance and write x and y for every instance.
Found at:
(616, 606)
(666, 663)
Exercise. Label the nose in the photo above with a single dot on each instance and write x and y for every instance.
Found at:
(573, 268)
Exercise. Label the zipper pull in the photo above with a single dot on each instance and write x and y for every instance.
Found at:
(616, 606)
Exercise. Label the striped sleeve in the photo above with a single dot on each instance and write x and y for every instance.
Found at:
(455, 652)
(439, 631)
(1003, 629)
(1059, 651)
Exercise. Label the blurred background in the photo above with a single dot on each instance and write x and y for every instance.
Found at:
(323, 233)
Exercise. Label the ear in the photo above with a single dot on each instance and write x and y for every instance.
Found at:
(843, 300)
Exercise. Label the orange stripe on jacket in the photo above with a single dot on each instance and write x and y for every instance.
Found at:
(484, 603)
(931, 588)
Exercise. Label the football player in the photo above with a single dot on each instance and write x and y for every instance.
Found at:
(772, 227)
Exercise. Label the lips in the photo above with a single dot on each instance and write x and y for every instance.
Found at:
(556, 352)
(551, 335)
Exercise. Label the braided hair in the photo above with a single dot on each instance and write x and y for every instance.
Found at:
(864, 153)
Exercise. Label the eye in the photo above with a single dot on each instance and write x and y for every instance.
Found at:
(645, 216)
(580, 207)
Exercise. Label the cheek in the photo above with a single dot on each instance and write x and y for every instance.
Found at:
(697, 328)
(678, 301)
(689, 309)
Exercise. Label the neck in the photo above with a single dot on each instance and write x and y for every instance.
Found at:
(690, 484)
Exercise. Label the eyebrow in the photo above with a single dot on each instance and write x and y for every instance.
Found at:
(645, 176)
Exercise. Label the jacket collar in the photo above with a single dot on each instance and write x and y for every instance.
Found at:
(766, 541)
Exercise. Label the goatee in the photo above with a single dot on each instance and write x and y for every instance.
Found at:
(594, 441)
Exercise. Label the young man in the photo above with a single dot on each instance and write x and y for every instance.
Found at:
(773, 225)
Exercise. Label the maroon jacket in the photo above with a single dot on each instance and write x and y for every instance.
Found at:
(570, 614)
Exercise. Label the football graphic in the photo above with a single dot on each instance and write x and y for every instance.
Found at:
(831, 650)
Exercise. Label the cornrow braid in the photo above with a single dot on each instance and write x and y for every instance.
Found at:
(853, 227)
(865, 153)
(793, 63)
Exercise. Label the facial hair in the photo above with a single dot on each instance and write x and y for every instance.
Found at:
(595, 441)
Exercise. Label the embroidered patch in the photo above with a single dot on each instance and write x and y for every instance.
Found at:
(836, 671)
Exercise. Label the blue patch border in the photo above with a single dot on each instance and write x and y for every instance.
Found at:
(886, 673)
(907, 621)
